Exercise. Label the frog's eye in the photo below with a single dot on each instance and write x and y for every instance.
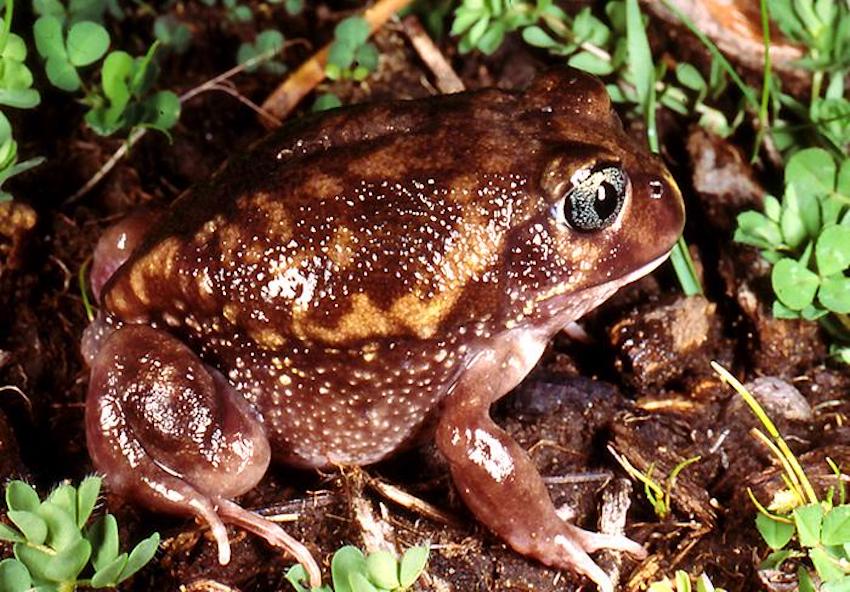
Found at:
(595, 198)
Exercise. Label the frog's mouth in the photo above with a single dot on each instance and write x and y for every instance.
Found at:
(567, 308)
(642, 271)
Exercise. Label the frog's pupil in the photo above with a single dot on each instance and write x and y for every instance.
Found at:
(606, 201)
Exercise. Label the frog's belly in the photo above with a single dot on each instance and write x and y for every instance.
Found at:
(325, 407)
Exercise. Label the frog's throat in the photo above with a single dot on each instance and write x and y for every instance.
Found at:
(564, 309)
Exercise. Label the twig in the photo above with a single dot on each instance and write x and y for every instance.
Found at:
(410, 502)
(284, 99)
(445, 78)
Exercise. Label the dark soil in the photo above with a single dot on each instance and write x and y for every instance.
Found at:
(640, 382)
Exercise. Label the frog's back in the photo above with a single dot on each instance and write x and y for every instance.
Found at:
(342, 230)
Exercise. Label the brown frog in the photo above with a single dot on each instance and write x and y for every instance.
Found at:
(359, 280)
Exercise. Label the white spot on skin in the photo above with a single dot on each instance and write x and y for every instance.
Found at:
(489, 454)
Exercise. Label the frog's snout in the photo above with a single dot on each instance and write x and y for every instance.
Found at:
(659, 199)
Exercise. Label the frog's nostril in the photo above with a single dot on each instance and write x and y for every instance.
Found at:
(656, 189)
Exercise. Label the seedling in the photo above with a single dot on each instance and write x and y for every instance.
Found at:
(659, 497)
(15, 91)
(351, 55)
(269, 41)
(682, 583)
(172, 33)
(377, 572)
(54, 548)
(126, 102)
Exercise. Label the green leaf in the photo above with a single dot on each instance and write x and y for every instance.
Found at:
(294, 7)
(49, 8)
(367, 56)
(163, 109)
(808, 520)
(491, 39)
(591, 63)
(359, 583)
(140, 556)
(62, 530)
(772, 208)
(87, 498)
(413, 563)
(67, 564)
(103, 536)
(10, 534)
(825, 564)
(326, 101)
(49, 41)
(689, 77)
(354, 30)
(20, 98)
(340, 55)
(145, 71)
(172, 33)
(811, 171)
(776, 558)
(65, 496)
(780, 311)
(30, 524)
(14, 576)
(297, 575)
(842, 185)
(537, 37)
(62, 74)
(346, 561)
(794, 230)
(836, 526)
(87, 43)
(757, 230)
(34, 559)
(834, 293)
(840, 585)
(642, 66)
(794, 285)
(269, 40)
(107, 575)
(805, 580)
(383, 569)
(833, 250)
(775, 533)
(19, 495)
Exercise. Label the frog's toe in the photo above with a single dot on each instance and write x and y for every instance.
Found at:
(597, 541)
(173, 434)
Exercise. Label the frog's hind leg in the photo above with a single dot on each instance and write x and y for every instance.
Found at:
(171, 433)
(496, 477)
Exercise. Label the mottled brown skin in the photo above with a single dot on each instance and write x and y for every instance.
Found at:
(357, 276)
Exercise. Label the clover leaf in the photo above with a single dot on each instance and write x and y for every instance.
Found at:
(85, 43)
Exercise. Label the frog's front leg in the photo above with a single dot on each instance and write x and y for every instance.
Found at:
(171, 433)
(496, 477)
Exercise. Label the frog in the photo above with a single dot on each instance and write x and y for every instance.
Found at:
(364, 280)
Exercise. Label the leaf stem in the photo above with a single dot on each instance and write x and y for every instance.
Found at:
(766, 80)
(7, 24)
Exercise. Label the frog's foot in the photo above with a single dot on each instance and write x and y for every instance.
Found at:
(496, 477)
(502, 487)
(173, 434)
